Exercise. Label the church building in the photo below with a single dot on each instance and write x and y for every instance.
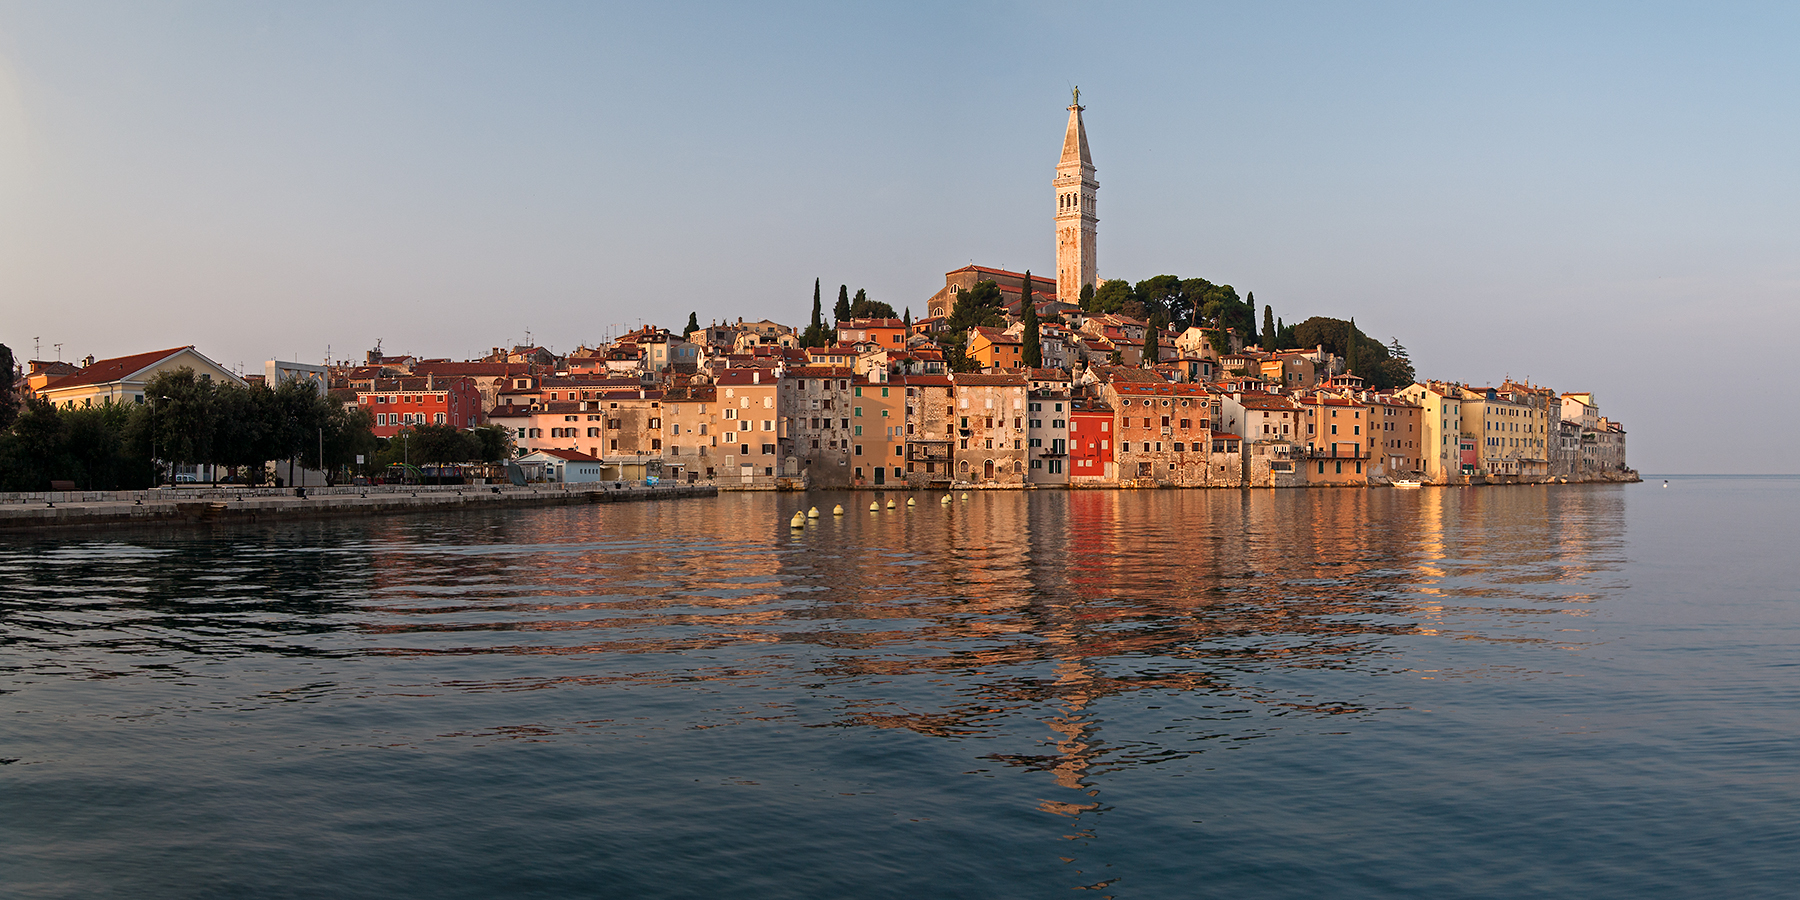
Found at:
(1076, 220)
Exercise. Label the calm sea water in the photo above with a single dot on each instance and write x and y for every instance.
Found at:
(1577, 691)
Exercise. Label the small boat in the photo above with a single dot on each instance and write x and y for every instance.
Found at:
(1406, 483)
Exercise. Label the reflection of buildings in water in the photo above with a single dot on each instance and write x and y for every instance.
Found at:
(563, 582)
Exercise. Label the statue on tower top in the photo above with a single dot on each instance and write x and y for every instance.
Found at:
(1077, 101)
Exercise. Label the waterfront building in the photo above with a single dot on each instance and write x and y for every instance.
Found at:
(1396, 425)
(121, 379)
(1091, 460)
(990, 427)
(1165, 436)
(691, 433)
(1336, 445)
(1440, 428)
(814, 406)
(1047, 430)
(930, 429)
(878, 433)
(749, 439)
(1510, 429)
(564, 467)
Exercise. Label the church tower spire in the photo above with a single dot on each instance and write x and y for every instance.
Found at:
(1076, 211)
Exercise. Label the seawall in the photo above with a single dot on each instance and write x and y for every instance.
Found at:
(222, 506)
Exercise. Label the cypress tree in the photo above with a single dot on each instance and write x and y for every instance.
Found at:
(907, 319)
(1034, 342)
(1350, 341)
(1270, 335)
(815, 332)
(1152, 353)
(693, 325)
(842, 311)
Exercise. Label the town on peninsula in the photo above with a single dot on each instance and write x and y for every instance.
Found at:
(1005, 379)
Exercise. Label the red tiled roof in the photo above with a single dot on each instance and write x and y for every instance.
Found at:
(108, 370)
(569, 455)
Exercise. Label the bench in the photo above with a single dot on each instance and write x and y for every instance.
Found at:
(62, 485)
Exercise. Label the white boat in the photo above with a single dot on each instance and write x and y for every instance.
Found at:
(1406, 483)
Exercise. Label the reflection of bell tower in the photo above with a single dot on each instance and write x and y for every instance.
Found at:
(1076, 213)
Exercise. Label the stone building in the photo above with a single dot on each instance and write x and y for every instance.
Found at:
(815, 404)
(1165, 437)
(930, 429)
(990, 428)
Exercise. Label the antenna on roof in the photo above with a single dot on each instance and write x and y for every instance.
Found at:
(58, 352)
(37, 348)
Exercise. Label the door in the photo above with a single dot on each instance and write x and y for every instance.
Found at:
(987, 471)
(880, 475)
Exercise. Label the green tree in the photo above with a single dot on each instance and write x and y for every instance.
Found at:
(693, 325)
(438, 444)
(1087, 296)
(907, 319)
(181, 417)
(1351, 360)
(1397, 369)
(1152, 353)
(1034, 341)
(1111, 296)
(244, 429)
(1164, 294)
(1270, 336)
(861, 307)
(494, 442)
(814, 335)
(841, 312)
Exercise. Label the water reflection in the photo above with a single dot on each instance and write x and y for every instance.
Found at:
(1073, 635)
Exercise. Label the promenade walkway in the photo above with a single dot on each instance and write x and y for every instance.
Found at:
(202, 504)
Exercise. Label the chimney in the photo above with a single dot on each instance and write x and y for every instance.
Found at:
(87, 361)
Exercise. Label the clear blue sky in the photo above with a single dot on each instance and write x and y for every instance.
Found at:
(1599, 198)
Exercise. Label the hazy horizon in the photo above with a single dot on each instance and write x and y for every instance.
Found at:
(1566, 196)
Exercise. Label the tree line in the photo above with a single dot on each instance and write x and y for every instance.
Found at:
(186, 420)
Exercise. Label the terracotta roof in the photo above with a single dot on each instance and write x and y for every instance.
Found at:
(569, 455)
(119, 367)
(1049, 283)
(975, 379)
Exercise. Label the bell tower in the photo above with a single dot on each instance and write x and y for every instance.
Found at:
(1077, 216)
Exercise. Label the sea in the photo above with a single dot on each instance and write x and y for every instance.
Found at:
(1570, 691)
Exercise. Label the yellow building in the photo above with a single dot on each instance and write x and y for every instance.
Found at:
(992, 348)
(1510, 429)
(1441, 425)
(122, 379)
(878, 434)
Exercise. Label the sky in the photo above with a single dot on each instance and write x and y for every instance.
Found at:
(1594, 197)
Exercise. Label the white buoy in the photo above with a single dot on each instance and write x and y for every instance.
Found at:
(965, 495)
(798, 521)
(812, 513)
(838, 510)
(875, 507)
(946, 500)
(890, 504)
(909, 502)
